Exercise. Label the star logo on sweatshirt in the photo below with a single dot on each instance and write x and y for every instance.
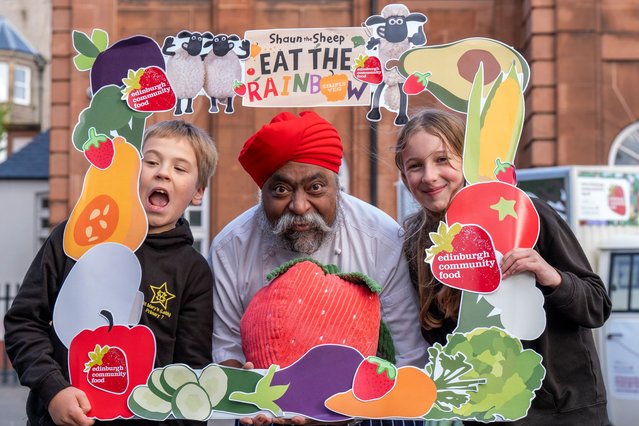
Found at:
(161, 295)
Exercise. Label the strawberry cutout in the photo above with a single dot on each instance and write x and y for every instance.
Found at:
(148, 90)
(416, 83)
(98, 149)
(617, 200)
(368, 69)
(108, 369)
(505, 172)
(374, 378)
(463, 257)
(239, 88)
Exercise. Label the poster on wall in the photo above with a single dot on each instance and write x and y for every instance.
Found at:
(604, 198)
(303, 67)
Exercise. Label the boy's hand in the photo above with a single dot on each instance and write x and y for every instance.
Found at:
(70, 407)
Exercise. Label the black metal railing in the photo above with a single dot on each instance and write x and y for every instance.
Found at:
(7, 374)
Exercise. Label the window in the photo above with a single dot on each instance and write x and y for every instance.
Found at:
(406, 204)
(624, 282)
(4, 146)
(4, 82)
(198, 217)
(625, 147)
(22, 85)
(41, 218)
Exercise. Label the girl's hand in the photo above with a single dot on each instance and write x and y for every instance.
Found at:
(526, 259)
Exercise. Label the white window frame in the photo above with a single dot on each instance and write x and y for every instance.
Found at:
(27, 85)
(41, 232)
(4, 82)
(630, 131)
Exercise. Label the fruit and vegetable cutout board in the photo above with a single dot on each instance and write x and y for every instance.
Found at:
(134, 77)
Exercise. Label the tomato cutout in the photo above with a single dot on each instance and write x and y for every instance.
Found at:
(503, 210)
(97, 221)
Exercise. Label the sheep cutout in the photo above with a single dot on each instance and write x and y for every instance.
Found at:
(185, 66)
(223, 70)
(397, 31)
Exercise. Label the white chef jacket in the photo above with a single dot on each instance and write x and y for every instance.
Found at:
(366, 240)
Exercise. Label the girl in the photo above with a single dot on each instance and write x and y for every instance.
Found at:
(429, 157)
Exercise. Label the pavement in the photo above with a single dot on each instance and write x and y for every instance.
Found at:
(13, 399)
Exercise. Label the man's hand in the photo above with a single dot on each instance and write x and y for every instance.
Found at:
(70, 407)
(528, 260)
(262, 419)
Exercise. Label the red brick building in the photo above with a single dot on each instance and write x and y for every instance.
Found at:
(584, 56)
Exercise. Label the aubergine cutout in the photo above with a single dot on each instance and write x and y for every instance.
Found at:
(322, 372)
(112, 65)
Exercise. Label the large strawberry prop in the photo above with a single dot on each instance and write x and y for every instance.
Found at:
(368, 69)
(308, 304)
(108, 362)
(463, 257)
(98, 149)
(148, 90)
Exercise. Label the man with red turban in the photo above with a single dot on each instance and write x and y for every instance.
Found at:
(302, 213)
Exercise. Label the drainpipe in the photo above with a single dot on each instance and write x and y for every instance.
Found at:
(40, 64)
(373, 139)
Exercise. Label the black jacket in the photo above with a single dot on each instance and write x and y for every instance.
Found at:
(183, 336)
(573, 391)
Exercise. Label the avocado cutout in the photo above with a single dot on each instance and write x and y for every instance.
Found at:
(453, 67)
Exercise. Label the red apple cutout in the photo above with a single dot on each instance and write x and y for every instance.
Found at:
(108, 362)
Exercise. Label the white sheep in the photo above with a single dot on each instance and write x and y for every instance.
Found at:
(394, 28)
(184, 66)
(222, 69)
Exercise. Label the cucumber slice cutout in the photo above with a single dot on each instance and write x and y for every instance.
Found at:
(156, 387)
(143, 402)
(176, 375)
(214, 382)
(191, 402)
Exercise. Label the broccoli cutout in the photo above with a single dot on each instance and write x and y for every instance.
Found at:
(510, 376)
(447, 372)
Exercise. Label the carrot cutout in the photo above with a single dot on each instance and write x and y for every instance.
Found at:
(412, 396)
(415, 391)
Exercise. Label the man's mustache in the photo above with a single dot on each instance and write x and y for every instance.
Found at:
(312, 219)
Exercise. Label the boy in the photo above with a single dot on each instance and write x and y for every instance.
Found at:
(178, 161)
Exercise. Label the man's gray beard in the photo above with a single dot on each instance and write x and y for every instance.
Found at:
(307, 242)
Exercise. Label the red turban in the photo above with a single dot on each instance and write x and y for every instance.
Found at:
(305, 139)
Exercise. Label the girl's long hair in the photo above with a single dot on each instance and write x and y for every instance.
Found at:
(437, 302)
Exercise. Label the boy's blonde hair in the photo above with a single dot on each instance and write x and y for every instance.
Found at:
(203, 146)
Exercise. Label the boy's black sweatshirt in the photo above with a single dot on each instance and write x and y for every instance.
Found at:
(182, 336)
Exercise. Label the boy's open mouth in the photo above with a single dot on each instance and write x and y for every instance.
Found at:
(159, 198)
